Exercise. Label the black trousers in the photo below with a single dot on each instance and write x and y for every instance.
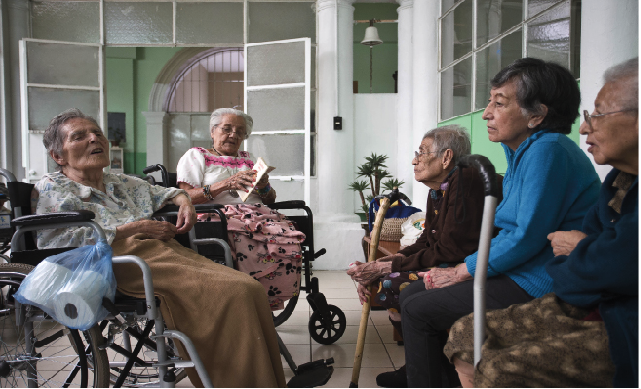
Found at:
(427, 314)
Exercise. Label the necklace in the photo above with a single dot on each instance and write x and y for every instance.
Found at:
(232, 192)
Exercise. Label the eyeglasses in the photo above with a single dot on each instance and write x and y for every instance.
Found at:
(417, 154)
(229, 130)
(588, 117)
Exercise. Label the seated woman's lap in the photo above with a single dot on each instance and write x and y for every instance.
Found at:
(391, 286)
(440, 308)
(214, 305)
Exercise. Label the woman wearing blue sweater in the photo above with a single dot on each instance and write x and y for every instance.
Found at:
(549, 186)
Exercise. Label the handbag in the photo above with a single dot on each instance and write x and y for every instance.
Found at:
(395, 216)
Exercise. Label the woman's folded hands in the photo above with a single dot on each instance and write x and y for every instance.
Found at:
(439, 277)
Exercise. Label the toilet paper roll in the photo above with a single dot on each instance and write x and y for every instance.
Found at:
(79, 303)
(47, 278)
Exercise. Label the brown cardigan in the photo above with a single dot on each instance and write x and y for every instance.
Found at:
(444, 240)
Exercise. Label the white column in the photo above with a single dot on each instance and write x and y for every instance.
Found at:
(157, 139)
(336, 226)
(404, 147)
(609, 36)
(17, 28)
(425, 78)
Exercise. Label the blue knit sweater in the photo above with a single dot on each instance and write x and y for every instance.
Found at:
(550, 184)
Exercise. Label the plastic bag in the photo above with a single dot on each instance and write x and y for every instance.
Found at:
(412, 228)
(70, 286)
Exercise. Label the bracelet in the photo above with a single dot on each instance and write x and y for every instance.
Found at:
(207, 193)
(263, 192)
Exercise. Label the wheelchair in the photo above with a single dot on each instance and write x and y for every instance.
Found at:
(131, 347)
(327, 323)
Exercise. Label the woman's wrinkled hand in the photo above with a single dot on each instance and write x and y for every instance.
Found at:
(365, 273)
(155, 229)
(187, 217)
(443, 277)
(363, 293)
(241, 180)
(563, 242)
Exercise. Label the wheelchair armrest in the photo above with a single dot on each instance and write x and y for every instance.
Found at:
(291, 204)
(50, 218)
(171, 210)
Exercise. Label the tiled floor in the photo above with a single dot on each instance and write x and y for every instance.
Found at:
(381, 352)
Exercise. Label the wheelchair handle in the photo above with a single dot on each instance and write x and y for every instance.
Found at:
(8, 175)
(155, 168)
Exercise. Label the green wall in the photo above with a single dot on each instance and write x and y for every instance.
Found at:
(130, 73)
(384, 56)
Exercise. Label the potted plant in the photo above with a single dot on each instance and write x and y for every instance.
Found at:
(374, 171)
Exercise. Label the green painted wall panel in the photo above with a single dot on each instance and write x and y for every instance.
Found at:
(120, 98)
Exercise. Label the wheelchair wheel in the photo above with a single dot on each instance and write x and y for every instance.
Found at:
(61, 358)
(327, 332)
(139, 376)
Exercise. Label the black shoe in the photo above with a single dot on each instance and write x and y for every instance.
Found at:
(393, 379)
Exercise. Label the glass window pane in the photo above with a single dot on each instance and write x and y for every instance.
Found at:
(288, 190)
(446, 5)
(492, 59)
(279, 63)
(536, 6)
(277, 109)
(200, 128)
(209, 23)
(285, 152)
(45, 103)
(68, 21)
(549, 36)
(61, 64)
(139, 23)
(179, 138)
(494, 17)
(277, 21)
(456, 89)
(456, 33)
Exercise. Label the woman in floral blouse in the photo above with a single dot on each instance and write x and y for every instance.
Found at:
(215, 306)
(265, 242)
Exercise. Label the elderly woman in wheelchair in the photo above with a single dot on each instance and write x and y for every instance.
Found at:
(265, 243)
(224, 312)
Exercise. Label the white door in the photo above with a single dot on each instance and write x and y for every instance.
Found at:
(55, 76)
(277, 96)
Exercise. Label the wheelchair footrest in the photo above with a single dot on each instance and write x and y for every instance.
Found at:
(312, 374)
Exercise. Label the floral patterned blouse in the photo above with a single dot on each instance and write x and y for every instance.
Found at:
(198, 167)
(128, 199)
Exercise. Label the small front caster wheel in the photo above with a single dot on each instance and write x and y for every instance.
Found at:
(330, 331)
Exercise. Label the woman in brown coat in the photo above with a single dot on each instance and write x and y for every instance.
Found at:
(452, 226)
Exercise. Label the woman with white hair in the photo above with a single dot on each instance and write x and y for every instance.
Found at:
(265, 243)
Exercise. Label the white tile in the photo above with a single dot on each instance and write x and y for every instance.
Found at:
(386, 332)
(346, 304)
(374, 355)
(351, 335)
(298, 318)
(397, 353)
(342, 377)
(294, 334)
(343, 293)
(300, 354)
(332, 279)
(379, 317)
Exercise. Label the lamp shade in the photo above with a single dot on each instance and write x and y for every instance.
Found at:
(371, 37)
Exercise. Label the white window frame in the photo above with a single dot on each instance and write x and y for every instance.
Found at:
(477, 49)
(307, 106)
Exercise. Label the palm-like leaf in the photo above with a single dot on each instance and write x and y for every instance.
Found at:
(392, 183)
(376, 161)
(359, 186)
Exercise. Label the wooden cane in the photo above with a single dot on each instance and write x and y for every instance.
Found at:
(362, 330)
